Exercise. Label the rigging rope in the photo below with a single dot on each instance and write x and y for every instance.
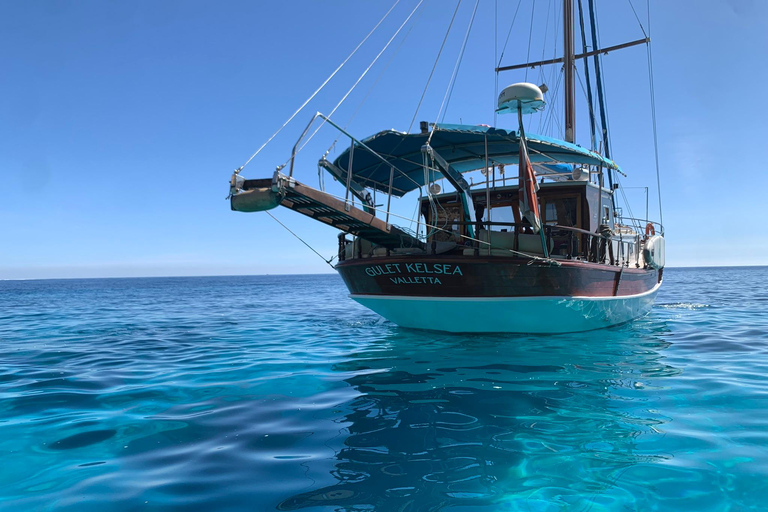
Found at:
(498, 62)
(328, 261)
(504, 48)
(458, 63)
(434, 66)
(530, 35)
(552, 117)
(638, 18)
(586, 96)
(602, 99)
(584, 47)
(375, 83)
(544, 39)
(319, 88)
(555, 74)
(542, 77)
(361, 76)
(653, 113)
(601, 96)
(449, 90)
(624, 196)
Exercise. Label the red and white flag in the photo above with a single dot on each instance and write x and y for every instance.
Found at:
(529, 201)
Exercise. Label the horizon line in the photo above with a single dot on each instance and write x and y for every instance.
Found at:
(292, 274)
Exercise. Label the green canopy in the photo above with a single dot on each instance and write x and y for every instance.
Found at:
(462, 146)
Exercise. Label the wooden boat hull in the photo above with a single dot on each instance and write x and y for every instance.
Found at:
(500, 294)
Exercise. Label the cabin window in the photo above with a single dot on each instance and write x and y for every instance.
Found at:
(501, 214)
(550, 214)
(606, 214)
(561, 211)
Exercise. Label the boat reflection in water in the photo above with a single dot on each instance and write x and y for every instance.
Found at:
(485, 421)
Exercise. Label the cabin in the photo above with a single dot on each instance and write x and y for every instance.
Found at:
(572, 212)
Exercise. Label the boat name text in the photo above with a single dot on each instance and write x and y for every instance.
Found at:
(414, 268)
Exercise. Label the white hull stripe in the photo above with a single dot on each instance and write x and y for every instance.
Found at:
(505, 299)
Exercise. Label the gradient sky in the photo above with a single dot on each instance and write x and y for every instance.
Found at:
(121, 122)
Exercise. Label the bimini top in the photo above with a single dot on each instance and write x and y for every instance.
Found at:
(462, 146)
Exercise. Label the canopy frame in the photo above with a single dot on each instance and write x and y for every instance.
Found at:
(463, 147)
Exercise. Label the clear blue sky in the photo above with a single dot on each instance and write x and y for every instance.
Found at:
(121, 122)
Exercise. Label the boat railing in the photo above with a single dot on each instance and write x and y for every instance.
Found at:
(354, 143)
(567, 242)
(641, 224)
(518, 240)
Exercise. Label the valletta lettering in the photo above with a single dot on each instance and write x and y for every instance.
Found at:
(415, 280)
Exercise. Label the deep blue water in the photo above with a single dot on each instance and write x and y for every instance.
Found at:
(280, 393)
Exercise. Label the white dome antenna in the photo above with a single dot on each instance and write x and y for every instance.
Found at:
(528, 97)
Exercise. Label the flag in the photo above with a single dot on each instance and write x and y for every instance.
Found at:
(527, 188)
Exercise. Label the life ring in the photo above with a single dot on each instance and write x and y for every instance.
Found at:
(649, 229)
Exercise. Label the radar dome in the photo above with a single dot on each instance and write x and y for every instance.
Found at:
(527, 96)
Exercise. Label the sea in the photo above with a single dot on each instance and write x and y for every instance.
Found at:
(275, 393)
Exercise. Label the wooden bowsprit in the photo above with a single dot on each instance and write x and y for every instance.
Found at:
(322, 207)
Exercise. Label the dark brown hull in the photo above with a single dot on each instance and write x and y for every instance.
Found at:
(452, 276)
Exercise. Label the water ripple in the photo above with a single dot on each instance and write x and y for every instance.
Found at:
(279, 393)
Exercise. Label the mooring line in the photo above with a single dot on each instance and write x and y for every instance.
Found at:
(328, 261)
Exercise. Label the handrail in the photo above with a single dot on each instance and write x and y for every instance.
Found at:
(646, 221)
(521, 225)
(596, 252)
(597, 248)
(352, 138)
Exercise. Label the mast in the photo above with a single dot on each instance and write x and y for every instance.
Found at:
(568, 57)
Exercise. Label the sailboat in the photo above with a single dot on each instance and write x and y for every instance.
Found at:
(547, 252)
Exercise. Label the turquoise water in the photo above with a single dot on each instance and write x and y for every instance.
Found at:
(279, 393)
